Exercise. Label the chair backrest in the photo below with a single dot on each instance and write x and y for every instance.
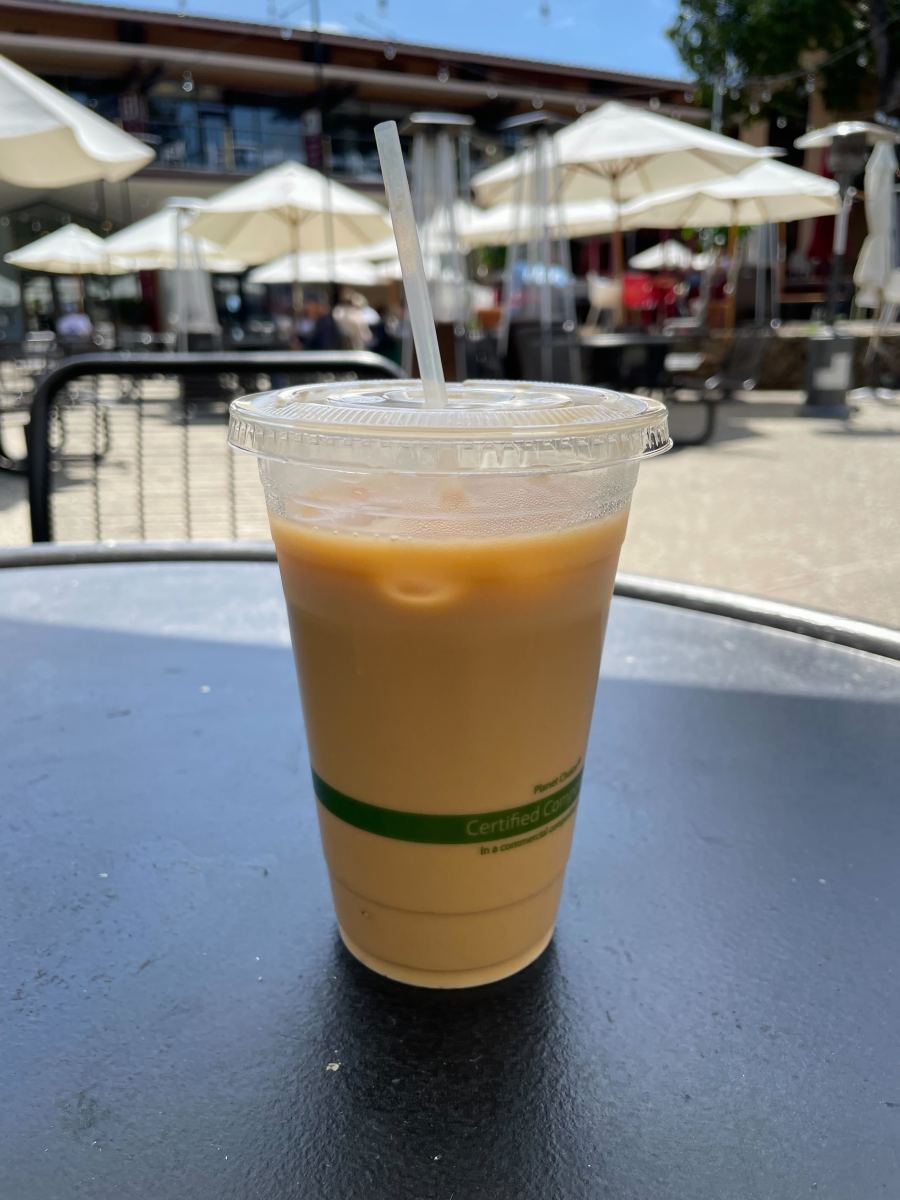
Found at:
(132, 447)
(742, 365)
(637, 291)
(553, 358)
(603, 294)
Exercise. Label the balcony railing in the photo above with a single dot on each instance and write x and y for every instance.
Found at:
(215, 147)
(211, 147)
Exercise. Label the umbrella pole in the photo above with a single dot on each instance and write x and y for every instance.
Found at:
(296, 285)
(618, 251)
(762, 257)
(181, 337)
(731, 281)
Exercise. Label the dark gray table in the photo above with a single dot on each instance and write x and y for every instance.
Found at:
(717, 1018)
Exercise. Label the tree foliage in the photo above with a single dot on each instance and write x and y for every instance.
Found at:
(745, 45)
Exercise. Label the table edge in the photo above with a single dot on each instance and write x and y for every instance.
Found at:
(864, 636)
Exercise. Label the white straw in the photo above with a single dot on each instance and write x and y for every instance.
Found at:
(413, 269)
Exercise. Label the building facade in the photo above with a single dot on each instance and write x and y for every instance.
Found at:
(218, 100)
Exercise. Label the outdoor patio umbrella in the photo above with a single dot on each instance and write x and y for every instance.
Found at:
(48, 140)
(350, 269)
(764, 193)
(71, 250)
(163, 242)
(152, 244)
(878, 255)
(867, 131)
(619, 152)
(664, 256)
(503, 224)
(289, 209)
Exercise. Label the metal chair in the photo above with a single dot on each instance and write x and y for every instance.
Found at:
(739, 372)
(144, 455)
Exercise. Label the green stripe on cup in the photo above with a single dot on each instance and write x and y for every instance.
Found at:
(448, 830)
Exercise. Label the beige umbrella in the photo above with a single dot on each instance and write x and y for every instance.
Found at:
(48, 140)
(71, 250)
(505, 224)
(619, 152)
(152, 244)
(670, 256)
(289, 209)
(350, 269)
(765, 193)
(878, 255)
(163, 242)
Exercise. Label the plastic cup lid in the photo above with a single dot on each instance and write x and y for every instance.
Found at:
(487, 426)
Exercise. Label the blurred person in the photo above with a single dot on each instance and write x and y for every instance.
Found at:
(317, 328)
(355, 319)
(387, 335)
(74, 325)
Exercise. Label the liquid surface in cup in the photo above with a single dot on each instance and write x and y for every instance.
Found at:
(447, 686)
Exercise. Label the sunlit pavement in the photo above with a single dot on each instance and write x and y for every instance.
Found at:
(777, 504)
(795, 508)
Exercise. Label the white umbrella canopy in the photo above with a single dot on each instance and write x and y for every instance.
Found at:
(666, 256)
(619, 152)
(289, 209)
(505, 224)
(435, 234)
(766, 193)
(151, 244)
(867, 130)
(48, 140)
(350, 269)
(877, 257)
(71, 250)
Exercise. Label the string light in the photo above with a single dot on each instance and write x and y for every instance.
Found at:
(654, 102)
(810, 85)
(537, 102)
(781, 122)
(443, 74)
(390, 53)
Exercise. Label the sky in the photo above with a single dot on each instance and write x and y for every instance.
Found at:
(626, 35)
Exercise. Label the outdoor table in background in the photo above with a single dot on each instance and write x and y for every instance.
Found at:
(629, 359)
(717, 1015)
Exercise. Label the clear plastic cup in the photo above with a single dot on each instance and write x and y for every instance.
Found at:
(447, 574)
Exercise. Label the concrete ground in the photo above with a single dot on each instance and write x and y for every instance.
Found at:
(777, 505)
(780, 505)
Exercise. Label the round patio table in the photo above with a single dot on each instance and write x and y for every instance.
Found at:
(716, 1018)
